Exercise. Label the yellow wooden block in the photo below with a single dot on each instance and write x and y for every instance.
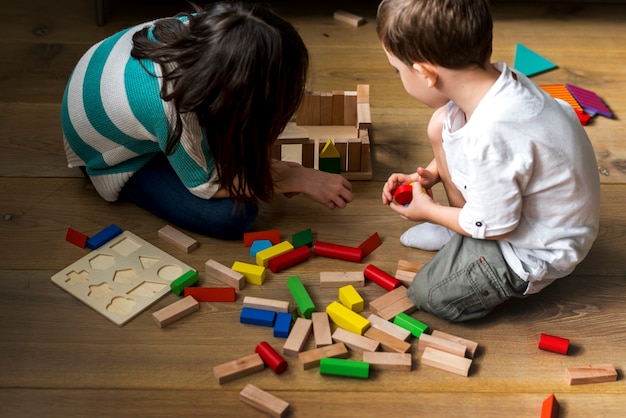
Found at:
(264, 256)
(254, 274)
(347, 319)
(351, 299)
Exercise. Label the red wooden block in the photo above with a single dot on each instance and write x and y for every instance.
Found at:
(583, 117)
(211, 294)
(341, 252)
(550, 407)
(554, 344)
(289, 259)
(273, 236)
(270, 357)
(384, 280)
(403, 194)
(77, 238)
(370, 244)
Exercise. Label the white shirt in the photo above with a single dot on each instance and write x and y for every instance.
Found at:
(525, 166)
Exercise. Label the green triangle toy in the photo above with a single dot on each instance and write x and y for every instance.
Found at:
(530, 63)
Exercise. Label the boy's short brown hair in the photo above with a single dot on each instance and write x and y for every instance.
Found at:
(453, 34)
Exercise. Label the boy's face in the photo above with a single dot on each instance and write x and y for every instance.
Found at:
(417, 84)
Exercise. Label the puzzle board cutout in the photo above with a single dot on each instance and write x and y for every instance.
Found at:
(122, 278)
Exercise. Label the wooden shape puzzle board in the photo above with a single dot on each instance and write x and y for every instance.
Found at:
(122, 278)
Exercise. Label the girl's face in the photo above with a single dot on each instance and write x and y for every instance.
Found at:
(419, 86)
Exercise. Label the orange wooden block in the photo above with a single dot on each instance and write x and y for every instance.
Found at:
(550, 407)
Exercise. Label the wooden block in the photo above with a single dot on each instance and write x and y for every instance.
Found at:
(259, 245)
(409, 266)
(282, 324)
(224, 274)
(446, 361)
(389, 327)
(355, 342)
(297, 337)
(302, 115)
(266, 304)
(264, 256)
(254, 274)
(321, 329)
(370, 244)
(347, 319)
(392, 303)
(241, 367)
(301, 296)
(104, 236)
(387, 342)
(598, 373)
(264, 401)
(550, 407)
(344, 367)
(470, 346)
(354, 155)
(342, 147)
(342, 278)
(348, 18)
(362, 93)
(388, 361)
(405, 277)
(311, 358)
(326, 108)
(257, 317)
(426, 340)
(291, 152)
(308, 154)
(338, 106)
(351, 299)
(315, 106)
(272, 235)
(302, 238)
(178, 238)
(211, 294)
(405, 321)
(289, 259)
(177, 310)
(363, 115)
(186, 280)
(77, 238)
(365, 154)
(349, 108)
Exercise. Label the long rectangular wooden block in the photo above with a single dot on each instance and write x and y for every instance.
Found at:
(254, 274)
(211, 294)
(298, 336)
(426, 340)
(257, 317)
(225, 274)
(380, 360)
(321, 329)
(301, 296)
(388, 342)
(264, 401)
(389, 327)
(470, 346)
(392, 303)
(355, 342)
(178, 238)
(263, 257)
(341, 278)
(344, 367)
(311, 358)
(273, 235)
(177, 310)
(446, 361)
(597, 373)
(351, 299)
(266, 304)
(347, 319)
(241, 367)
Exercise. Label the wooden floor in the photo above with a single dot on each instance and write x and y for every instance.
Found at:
(58, 358)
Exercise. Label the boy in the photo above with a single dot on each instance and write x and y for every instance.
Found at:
(517, 167)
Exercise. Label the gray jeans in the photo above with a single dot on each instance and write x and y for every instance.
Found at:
(465, 280)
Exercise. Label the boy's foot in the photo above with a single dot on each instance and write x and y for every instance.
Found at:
(426, 236)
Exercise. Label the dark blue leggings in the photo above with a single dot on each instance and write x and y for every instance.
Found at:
(157, 188)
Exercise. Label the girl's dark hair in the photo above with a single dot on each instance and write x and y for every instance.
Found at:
(242, 69)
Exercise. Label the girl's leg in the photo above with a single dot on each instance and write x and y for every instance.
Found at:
(157, 188)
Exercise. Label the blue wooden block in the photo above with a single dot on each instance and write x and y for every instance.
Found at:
(107, 234)
(259, 245)
(282, 325)
(257, 317)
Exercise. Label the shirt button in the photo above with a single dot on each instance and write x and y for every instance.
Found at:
(479, 224)
(485, 293)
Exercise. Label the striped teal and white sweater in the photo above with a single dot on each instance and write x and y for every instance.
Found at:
(114, 121)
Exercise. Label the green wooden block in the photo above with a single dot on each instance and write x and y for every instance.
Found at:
(186, 280)
(409, 323)
(299, 293)
(330, 165)
(344, 367)
(302, 238)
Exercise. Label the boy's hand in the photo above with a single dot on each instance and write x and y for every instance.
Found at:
(416, 210)
(395, 180)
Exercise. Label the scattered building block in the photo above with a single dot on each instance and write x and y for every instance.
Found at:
(529, 62)
(348, 18)
(426, 340)
(311, 358)
(355, 342)
(177, 310)
(272, 235)
(344, 367)
(257, 317)
(301, 296)
(351, 299)
(381, 278)
(342, 278)
(186, 280)
(282, 324)
(77, 238)
(330, 158)
(321, 329)
(264, 401)
(259, 245)
(302, 238)
(271, 358)
(470, 346)
(241, 367)
(380, 360)
(555, 344)
(297, 337)
(211, 294)
(387, 342)
(263, 257)
(389, 327)
(266, 304)
(598, 373)
(405, 321)
(370, 244)
(392, 303)
(225, 274)
(178, 238)
(289, 259)
(446, 361)
(96, 241)
(589, 101)
(550, 407)
(254, 274)
(347, 319)
(406, 271)
(341, 252)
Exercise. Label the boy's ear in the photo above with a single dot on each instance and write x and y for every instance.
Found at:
(427, 71)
